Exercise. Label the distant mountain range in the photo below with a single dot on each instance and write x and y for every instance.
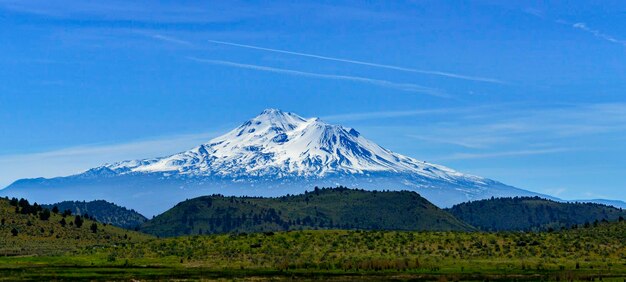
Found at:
(273, 154)
(103, 212)
(532, 213)
(336, 208)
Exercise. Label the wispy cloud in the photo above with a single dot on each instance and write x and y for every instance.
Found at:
(522, 124)
(384, 114)
(577, 25)
(194, 11)
(141, 11)
(376, 115)
(170, 39)
(505, 130)
(76, 159)
(409, 87)
(472, 142)
(397, 68)
(439, 73)
(462, 156)
(598, 34)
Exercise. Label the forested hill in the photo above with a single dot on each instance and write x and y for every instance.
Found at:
(31, 229)
(104, 212)
(326, 208)
(531, 213)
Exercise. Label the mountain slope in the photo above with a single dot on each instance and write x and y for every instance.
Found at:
(337, 208)
(272, 154)
(104, 212)
(283, 145)
(27, 229)
(534, 213)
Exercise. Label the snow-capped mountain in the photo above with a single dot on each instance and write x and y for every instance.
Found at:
(272, 154)
(279, 144)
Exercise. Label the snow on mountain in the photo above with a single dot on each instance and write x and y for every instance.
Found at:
(273, 154)
(282, 144)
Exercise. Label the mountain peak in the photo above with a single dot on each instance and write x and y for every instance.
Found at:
(272, 111)
(272, 120)
(281, 144)
(276, 114)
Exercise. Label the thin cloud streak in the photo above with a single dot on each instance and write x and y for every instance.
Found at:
(384, 83)
(598, 34)
(464, 156)
(381, 115)
(578, 25)
(171, 39)
(524, 125)
(393, 114)
(438, 73)
(471, 142)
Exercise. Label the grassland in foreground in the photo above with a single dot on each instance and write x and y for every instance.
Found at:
(580, 254)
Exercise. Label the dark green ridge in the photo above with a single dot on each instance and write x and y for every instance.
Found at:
(104, 212)
(532, 214)
(326, 208)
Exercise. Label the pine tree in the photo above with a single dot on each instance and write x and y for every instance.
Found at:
(78, 221)
(45, 214)
(14, 231)
(94, 227)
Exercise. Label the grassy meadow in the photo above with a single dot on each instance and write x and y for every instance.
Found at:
(580, 254)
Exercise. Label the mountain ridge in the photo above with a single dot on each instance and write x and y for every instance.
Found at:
(283, 144)
(104, 212)
(322, 208)
(532, 213)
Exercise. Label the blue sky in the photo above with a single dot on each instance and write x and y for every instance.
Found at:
(523, 92)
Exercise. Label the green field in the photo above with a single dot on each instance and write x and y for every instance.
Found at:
(580, 254)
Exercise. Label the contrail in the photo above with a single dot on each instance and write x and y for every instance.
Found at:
(439, 73)
(171, 39)
(384, 83)
(598, 34)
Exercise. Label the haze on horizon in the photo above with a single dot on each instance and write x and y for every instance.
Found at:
(528, 94)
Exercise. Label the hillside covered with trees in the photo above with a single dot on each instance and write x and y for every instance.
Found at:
(326, 208)
(532, 213)
(30, 229)
(104, 212)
